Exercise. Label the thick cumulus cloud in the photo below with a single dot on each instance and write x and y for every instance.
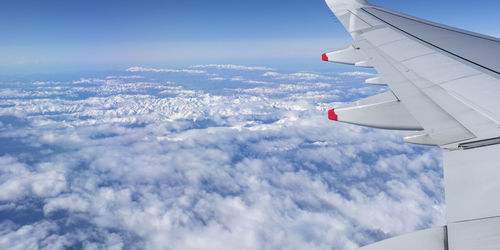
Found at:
(147, 159)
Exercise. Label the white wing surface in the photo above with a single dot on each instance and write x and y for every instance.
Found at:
(445, 85)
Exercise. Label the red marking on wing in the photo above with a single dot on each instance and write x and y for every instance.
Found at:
(332, 116)
(324, 57)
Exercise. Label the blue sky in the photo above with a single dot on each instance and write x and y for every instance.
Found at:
(113, 34)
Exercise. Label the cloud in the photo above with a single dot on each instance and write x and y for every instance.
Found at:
(40, 83)
(142, 69)
(237, 78)
(37, 235)
(298, 76)
(231, 67)
(256, 82)
(217, 78)
(88, 80)
(358, 74)
(18, 181)
(125, 77)
(157, 163)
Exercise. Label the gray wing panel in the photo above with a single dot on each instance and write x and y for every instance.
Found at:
(472, 203)
(430, 239)
(480, 50)
(477, 235)
(471, 180)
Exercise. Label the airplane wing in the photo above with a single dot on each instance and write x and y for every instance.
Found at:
(445, 85)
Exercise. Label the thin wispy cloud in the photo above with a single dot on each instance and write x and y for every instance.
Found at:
(357, 73)
(298, 76)
(232, 67)
(142, 69)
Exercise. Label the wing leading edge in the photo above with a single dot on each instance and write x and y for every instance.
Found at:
(445, 84)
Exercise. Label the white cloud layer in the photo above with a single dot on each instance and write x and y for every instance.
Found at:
(142, 69)
(131, 162)
(232, 67)
(357, 73)
(298, 76)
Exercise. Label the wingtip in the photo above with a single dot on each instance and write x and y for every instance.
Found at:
(324, 57)
(332, 115)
